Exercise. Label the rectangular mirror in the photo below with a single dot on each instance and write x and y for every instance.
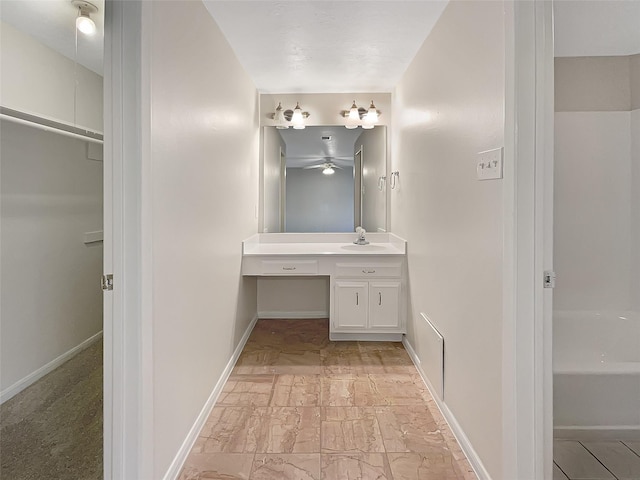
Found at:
(324, 179)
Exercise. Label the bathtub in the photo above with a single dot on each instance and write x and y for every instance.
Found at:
(596, 374)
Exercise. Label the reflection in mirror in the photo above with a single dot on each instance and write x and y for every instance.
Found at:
(324, 179)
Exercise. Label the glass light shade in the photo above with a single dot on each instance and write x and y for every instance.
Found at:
(279, 120)
(297, 119)
(372, 113)
(85, 24)
(354, 115)
(328, 171)
(351, 126)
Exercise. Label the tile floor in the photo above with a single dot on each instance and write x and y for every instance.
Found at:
(300, 407)
(596, 460)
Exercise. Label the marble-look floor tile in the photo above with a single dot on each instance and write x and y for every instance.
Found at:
(296, 391)
(409, 428)
(218, 466)
(290, 430)
(231, 430)
(346, 390)
(395, 389)
(421, 466)
(302, 466)
(300, 362)
(350, 429)
(253, 390)
(356, 466)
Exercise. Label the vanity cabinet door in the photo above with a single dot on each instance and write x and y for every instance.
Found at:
(351, 304)
(384, 304)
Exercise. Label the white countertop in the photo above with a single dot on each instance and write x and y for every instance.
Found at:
(322, 244)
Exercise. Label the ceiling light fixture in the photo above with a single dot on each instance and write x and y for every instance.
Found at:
(296, 117)
(358, 116)
(83, 20)
(328, 171)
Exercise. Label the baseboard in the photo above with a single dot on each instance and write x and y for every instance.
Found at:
(597, 432)
(294, 315)
(192, 436)
(33, 377)
(461, 437)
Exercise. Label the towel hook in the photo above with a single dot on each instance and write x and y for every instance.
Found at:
(394, 179)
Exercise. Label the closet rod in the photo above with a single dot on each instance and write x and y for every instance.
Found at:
(34, 121)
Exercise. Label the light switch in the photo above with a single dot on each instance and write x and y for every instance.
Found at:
(489, 165)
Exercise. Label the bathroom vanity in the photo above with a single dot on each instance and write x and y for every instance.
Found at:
(367, 283)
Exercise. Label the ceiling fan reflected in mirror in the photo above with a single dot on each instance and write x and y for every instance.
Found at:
(328, 168)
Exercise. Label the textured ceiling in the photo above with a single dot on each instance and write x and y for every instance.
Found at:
(53, 23)
(325, 46)
(318, 46)
(307, 147)
(596, 28)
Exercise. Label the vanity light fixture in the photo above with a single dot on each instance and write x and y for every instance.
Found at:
(83, 20)
(296, 117)
(358, 116)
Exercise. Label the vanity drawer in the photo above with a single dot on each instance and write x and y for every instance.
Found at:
(292, 267)
(368, 271)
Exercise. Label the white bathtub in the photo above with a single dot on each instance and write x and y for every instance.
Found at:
(596, 374)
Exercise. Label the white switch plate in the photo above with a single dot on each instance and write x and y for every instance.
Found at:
(489, 165)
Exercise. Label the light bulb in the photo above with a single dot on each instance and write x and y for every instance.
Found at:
(328, 171)
(297, 119)
(85, 24)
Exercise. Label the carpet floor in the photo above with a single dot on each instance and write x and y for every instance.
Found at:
(53, 429)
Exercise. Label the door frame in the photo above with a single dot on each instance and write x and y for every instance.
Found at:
(527, 377)
(128, 387)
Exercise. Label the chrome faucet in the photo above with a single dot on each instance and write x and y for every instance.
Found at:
(361, 240)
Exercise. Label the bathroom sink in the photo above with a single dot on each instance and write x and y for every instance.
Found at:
(363, 248)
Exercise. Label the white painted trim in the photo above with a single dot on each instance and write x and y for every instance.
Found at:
(33, 377)
(456, 429)
(294, 315)
(526, 335)
(192, 436)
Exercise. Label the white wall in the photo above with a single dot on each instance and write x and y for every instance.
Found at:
(302, 297)
(596, 200)
(592, 211)
(51, 301)
(38, 80)
(270, 184)
(448, 107)
(205, 150)
(317, 202)
(374, 160)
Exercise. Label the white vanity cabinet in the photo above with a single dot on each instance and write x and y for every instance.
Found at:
(368, 300)
(367, 306)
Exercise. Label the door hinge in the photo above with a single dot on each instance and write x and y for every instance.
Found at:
(549, 279)
(107, 281)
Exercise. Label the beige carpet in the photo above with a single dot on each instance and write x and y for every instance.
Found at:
(53, 429)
